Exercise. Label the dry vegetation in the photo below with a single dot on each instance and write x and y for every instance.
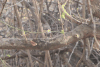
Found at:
(49, 33)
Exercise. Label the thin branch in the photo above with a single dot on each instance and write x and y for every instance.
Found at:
(77, 65)
(94, 31)
(72, 51)
(3, 7)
